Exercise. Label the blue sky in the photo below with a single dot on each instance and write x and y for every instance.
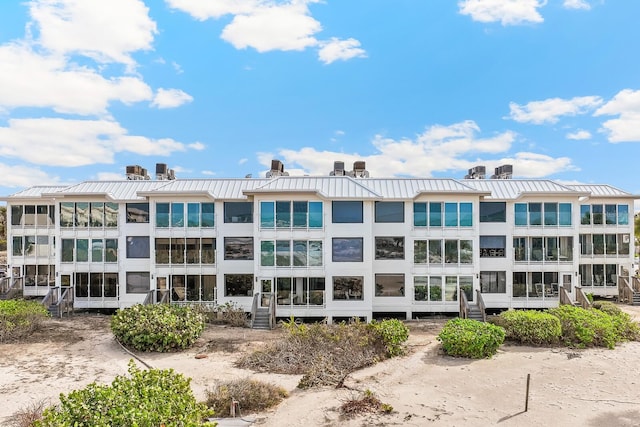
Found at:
(218, 88)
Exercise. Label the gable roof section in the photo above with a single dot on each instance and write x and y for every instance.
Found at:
(225, 188)
(329, 187)
(36, 192)
(511, 189)
(410, 188)
(121, 191)
(603, 190)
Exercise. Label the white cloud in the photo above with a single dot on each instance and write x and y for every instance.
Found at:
(281, 27)
(29, 79)
(170, 98)
(626, 104)
(576, 4)
(267, 25)
(550, 110)
(508, 12)
(198, 146)
(337, 49)
(208, 173)
(68, 143)
(22, 176)
(580, 134)
(107, 31)
(243, 161)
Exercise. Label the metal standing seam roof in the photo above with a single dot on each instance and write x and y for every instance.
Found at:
(124, 190)
(225, 188)
(409, 188)
(602, 190)
(505, 189)
(332, 187)
(36, 191)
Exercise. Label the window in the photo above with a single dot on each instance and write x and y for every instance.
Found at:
(208, 250)
(299, 249)
(535, 214)
(597, 214)
(267, 253)
(67, 250)
(315, 253)
(138, 282)
(347, 249)
(466, 215)
(451, 288)
(493, 212)
(240, 285)
(283, 290)
(419, 214)
(111, 215)
(610, 244)
(82, 214)
(95, 285)
(16, 214)
(585, 214)
(238, 212)
(389, 285)
(82, 250)
(551, 248)
(420, 288)
(163, 250)
(435, 288)
(623, 214)
(315, 216)
(389, 247)
(586, 244)
(611, 215)
(138, 247)
(492, 246)
(300, 212)
(238, 248)
(177, 214)
(564, 211)
(111, 250)
(493, 282)
(67, 214)
(193, 215)
(18, 248)
(96, 215)
(193, 287)
(162, 214)
(466, 286)
(451, 214)
(283, 253)
(450, 251)
(623, 244)
(550, 214)
(346, 212)
(519, 287)
(537, 251)
(598, 244)
(520, 213)
(82, 285)
(520, 248)
(192, 248)
(97, 250)
(283, 214)
(347, 287)
(420, 251)
(466, 252)
(137, 212)
(207, 219)
(435, 251)
(389, 211)
(435, 214)
(110, 285)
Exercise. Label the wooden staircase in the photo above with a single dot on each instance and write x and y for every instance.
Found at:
(263, 317)
(476, 311)
(10, 288)
(59, 301)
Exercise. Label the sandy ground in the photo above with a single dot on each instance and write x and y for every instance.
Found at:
(594, 387)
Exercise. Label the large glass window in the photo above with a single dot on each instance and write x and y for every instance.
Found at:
(610, 244)
(611, 215)
(435, 288)
(519, 287)
(419, 214)
(493, 212)
(389, 247)
(551, 249)
(347, 249)
(537, 249)
(348, 287)
(435, 214)
(466, 252)
(283, 253)
(82, 285)
(623, 214)
(82, 214)
(389, 211)
(16, 215)
(192, 254)
(492, 246)
(240, 285)
(493, 282)
(597, 211)
(193, 214)
(550, 214)
(535, 214)
(138, 212)
(315, 253)
(435, 251)
(623, 244)
(138, 282)
(520, 248)
(238, 248)
(82, 250)
(300, 212)
(346, 212)
(177, 214)
(163, 250)
(420, 251)
(283, 214)
(598, 244)
(67, 214)
(238, 212)
(208, 250)
(520, 211)
(267, 214)
(451, 214)
(466, 214)
(162, 214)
(564, 213)
(138, 247)
(451, 251)
(315, 215)
(389, 285)
(67, 246)
(208, 215)
(111, 215)
(565, 244)
(451, 288)
(585, 214)
(267, 253)
(420, 288)
(97, 214)
(111, 250)
(299, 250)
(586, 244)
(97, 250)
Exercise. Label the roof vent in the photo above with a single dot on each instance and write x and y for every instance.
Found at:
(163, 173)
(477, 172)
(338, 169)
(277, 169)
(359, 170)
(136, 173)
(503, 172)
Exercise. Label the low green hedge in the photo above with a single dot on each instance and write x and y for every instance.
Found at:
(20, 318)
(144, 399)
(586, 328)
(159, 327)
(531, 327)
(394, 333)
(470, 338)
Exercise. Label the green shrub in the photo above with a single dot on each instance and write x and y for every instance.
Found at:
(19, 318)
(470, 338)
(608, 307)
(625, 328)
(394, 334)
(251, 395)
(531, 327)
(144, 399)
(159, 327)
(586, 328)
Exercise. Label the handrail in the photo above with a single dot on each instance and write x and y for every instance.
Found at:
(165, 297)
(625, 291)
(581, 298)
(635, 283)
(464, 305)
(65, 303)
(254, 307)
(148, 300)
(51, 297)
(272, 311)
(481, 305)
(565, 298)
(5, 284)
(9, 284)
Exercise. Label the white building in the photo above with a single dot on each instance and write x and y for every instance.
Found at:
(328, 246)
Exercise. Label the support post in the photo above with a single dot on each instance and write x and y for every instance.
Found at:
(526, 403)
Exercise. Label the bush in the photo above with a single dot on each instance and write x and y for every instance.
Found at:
(159, 327)
(531, 327)
(144, 399)
(470, 338)
(28, 415)
(20, 318)
(607, 307)
(366, 403)
(586, 328)
(394, 333)
(232, 315)
(251, 395)
(625, 328)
